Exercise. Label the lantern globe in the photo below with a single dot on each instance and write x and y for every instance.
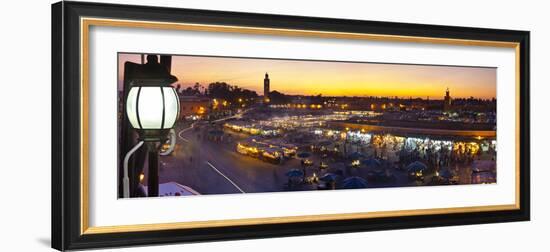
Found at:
(152, 108)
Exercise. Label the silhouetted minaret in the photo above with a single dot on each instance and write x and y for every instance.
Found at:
(266, 87)
(447, 101)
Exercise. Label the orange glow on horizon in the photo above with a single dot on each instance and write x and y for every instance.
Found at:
(295, 77)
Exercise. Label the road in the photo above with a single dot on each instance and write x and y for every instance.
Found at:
(212, 167)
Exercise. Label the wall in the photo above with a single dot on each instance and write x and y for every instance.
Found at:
(25, 123)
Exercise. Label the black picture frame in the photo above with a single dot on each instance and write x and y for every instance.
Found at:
(66, 114)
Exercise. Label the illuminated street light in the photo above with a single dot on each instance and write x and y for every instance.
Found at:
(152, 107)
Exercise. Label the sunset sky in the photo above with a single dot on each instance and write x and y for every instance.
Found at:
(331, 78)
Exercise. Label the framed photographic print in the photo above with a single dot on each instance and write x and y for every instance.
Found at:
(179, 125)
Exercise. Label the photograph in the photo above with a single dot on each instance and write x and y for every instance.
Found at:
(256, 125)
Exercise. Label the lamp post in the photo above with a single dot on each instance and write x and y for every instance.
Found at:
(152, 107)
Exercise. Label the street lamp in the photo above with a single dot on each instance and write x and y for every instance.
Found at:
(152, 107)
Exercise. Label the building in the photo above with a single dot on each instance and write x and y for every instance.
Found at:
(266, 88)
(447, 101)
(193, 106)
